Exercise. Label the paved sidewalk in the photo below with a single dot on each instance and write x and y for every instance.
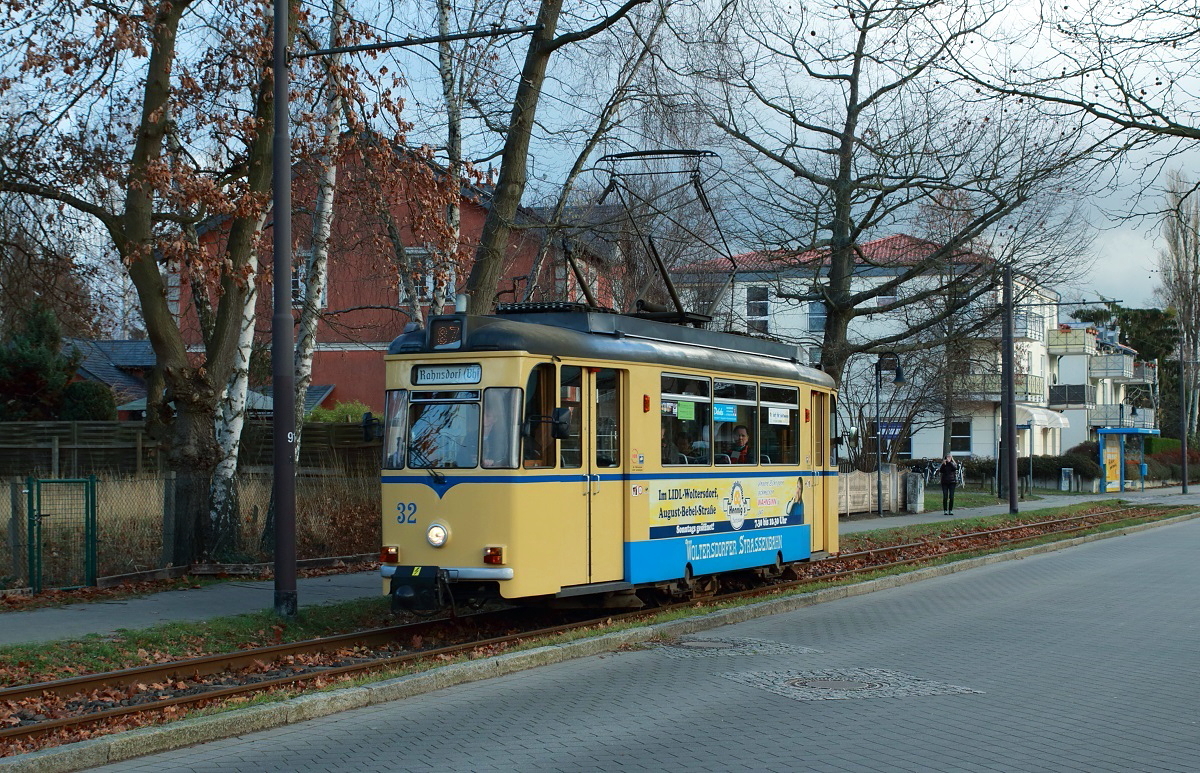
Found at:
(219, 600)
(1168, 495)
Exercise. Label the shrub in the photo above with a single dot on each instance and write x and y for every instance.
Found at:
(1088, 448)
(351, 412)
(1155, 445)
(1084, 466)
(88, 401)
(978, 467)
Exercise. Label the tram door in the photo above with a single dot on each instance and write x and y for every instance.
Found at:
(815, 459)
(593, 447)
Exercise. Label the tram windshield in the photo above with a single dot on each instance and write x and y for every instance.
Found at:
(452, 429)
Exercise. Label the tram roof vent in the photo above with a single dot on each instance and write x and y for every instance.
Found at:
(546, 307)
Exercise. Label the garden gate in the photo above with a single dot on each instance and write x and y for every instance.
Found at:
(61, 532)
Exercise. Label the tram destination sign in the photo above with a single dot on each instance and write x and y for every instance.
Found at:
(467, 373)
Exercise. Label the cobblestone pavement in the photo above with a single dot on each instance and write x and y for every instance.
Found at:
(1083, 659)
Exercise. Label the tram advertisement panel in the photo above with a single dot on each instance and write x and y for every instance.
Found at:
(720, 525)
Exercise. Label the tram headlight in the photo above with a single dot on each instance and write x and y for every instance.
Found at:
(437, 535)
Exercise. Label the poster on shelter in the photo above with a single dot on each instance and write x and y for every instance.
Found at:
(1112, 467)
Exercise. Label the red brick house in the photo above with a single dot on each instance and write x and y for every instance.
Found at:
(364, 303)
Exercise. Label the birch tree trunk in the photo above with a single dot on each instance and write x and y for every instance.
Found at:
(229, 421)
(444, 265)
(316, 265)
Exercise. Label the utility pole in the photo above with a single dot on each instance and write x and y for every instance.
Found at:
(1008, 397)
(283, 386)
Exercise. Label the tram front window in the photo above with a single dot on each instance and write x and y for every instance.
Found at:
(501, 440)
(395, 430)
(443, 434)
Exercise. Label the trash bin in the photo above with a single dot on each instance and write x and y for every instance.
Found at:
(914, 492)
(1064, 483)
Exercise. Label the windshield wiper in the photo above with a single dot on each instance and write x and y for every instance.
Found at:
(438, 478)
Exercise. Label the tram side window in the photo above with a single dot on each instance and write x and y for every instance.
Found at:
(834, 436)
(571, 377)
(735, 419)
(500, 442)
(395, 431)
(686, 420)
(779, 422)
(539, 445)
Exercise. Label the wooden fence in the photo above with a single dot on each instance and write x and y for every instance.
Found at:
(57, 449)
(857, 491)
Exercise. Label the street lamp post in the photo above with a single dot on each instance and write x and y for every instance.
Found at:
(1183, 418)
(893, 360)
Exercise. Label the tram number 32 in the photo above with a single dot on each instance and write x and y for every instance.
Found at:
(406, 512)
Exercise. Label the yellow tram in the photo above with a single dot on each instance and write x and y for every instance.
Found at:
(553, 453)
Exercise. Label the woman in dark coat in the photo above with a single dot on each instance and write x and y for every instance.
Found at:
(949, 475)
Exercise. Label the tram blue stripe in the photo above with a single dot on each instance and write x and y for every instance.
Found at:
(665, 559)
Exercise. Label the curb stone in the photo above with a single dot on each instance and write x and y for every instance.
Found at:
(162, 738)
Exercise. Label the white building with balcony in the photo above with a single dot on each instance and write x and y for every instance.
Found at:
(1092, 379)
(1069, 383)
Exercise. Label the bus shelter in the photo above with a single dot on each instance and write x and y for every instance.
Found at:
(1112, 455)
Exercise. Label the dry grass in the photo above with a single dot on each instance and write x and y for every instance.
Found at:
(335, 516)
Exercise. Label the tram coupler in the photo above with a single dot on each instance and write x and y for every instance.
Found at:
(417, 589)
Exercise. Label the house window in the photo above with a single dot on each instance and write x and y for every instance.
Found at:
(960, 437)
(758, 308)
(424, 269)
(300, 281)
(893, 446)
(566, 283)
(817, 312)
(903, 448)
(814, 356)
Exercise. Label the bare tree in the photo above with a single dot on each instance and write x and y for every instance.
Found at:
(846, 128)
(1179, 266)
(489, 257)
(42, 262)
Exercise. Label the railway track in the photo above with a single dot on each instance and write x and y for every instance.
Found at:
(69, 706)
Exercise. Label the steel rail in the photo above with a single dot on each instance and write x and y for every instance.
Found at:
(212, 664)
(318, 672)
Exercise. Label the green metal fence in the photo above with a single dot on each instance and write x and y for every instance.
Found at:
(13, 549)
(61, 530)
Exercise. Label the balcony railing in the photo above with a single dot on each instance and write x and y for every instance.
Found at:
(1064, 396)
(1118, 367)
(1071, 342)
(987, 387)
(1026, 327)
(1121, 415)
(1144, 373)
